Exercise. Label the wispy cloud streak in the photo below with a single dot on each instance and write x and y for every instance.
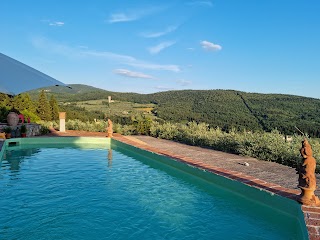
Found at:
(161, 46)
(128, 73)
(183, 82)
(152, 66)
(200, 3)
(80, 53)
(132, 15)
(53, 23)
(159, 34)
(163, 88)
(122, 17)
(58, 24)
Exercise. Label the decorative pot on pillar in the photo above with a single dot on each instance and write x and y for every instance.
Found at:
(13, 119)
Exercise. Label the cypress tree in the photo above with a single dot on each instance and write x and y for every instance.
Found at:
(29, 104)
(54, 108)
(43, 109)
(24, 102)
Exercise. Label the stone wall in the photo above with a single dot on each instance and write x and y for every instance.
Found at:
(33, 129)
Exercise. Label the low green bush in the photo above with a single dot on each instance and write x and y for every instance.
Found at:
(268, 146)
(33, 117)
(99, 126)
(49, 124)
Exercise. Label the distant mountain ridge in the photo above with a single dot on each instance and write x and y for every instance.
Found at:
(226, 109)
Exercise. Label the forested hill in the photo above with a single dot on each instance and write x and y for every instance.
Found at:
(224, 108)
(80, 92)
(227, 109)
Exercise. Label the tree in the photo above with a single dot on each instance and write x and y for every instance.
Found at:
(4, 100)
(143, 125)
(43, 109)
(54, 108)
(23, 102)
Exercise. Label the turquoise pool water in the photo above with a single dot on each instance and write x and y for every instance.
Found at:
(67, 192)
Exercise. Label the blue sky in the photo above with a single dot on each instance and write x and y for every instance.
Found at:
(149, 46)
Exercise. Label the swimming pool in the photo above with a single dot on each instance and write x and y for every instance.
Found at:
(84, 188)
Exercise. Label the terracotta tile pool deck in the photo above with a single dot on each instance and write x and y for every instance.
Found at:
(268, 176)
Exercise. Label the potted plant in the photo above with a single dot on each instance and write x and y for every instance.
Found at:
(7, 130)
(23, 130)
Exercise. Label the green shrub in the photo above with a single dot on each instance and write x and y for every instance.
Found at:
(49, 124)
(128, 130)
(44, 130)
(4, 111)
(142, 125)
(99, 126)
(261, 145)
(33, 117)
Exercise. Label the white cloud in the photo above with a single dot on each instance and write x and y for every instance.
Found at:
(183, 82)
(209, 46)
(57, 24)
(109, 55)
(122, 17)
(201, 3)
(132, 15)
(53, 23)
(128, 73)
(151, 66)
(159, 34)
(163, 88)
(161, 46)
(71, 52)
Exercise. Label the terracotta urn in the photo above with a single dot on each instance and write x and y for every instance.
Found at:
(12, 119)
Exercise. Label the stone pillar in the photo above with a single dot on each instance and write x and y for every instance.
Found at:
(62, 117)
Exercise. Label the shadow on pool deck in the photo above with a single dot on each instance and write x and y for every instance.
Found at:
(269, 176)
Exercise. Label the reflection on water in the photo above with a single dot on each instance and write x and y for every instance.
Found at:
(110, 158)
(14, 159)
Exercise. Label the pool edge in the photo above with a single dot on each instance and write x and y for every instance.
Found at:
(13, 143)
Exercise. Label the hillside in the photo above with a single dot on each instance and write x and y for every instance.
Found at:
(80, 92)
(226, 109)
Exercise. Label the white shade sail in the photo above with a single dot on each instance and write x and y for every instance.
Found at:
(16, 77)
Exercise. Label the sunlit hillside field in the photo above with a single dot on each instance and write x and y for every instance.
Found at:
(119, 108)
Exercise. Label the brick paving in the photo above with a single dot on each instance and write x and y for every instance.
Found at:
(269, 176)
